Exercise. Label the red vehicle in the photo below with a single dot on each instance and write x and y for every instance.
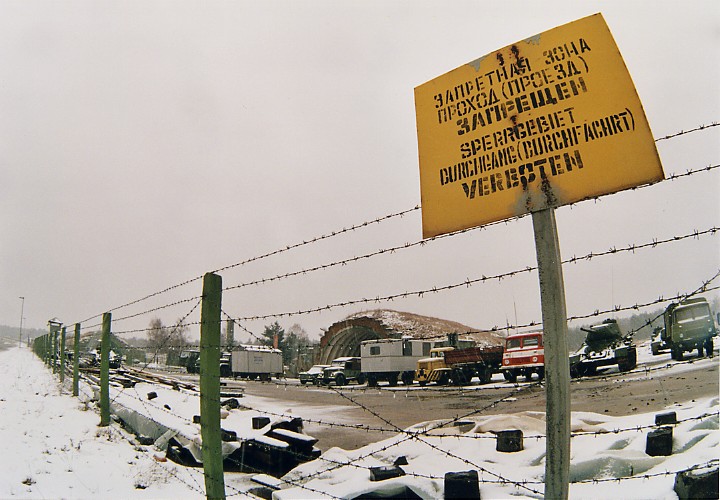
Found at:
(524, 355)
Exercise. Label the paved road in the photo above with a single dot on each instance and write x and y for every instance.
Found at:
(652, 387)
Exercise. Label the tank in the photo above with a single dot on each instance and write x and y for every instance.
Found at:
(604, 345)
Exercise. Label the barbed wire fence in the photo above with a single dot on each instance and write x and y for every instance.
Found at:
(43, 345)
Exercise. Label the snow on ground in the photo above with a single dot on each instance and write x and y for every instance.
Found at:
(603, 448)
(54, 448)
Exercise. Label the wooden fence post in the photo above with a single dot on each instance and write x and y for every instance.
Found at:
(105, 371)
(210, 386)
(62, 356)
(76, 361)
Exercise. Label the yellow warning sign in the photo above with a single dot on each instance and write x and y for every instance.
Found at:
(551, 120)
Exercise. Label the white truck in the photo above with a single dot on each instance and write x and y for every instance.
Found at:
(252, 362)
(393, 359)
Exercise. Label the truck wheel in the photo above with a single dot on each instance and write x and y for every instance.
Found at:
(392, 379)
(407, 378)
(339, 379)
(485, 376)
(443, 379)
(677, 353)
(541, 373)
(510, 376)
(700, 349)
(709, 348)
(361, 379)
(372, 381)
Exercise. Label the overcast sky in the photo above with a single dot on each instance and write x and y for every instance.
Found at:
(143, 144)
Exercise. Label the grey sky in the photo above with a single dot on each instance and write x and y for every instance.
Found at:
(143, 144)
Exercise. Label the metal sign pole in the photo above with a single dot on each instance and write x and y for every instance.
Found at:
(557, 368)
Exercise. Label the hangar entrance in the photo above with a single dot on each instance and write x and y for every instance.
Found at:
(346, 343)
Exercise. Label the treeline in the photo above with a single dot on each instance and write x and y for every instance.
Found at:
(13, 332)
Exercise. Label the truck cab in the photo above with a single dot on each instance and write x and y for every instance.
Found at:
(343, 370)
(434, 368)
(524, 355)
(689, 325)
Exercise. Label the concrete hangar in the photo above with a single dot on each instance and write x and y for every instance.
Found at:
(343, 338)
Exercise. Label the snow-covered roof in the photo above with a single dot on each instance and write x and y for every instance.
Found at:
(426, 327)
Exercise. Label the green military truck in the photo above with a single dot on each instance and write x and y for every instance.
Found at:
(689, 325)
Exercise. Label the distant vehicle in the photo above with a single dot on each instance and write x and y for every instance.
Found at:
(251, 362)
(657, 343)
(311, 376)
(189, 358)
(524, 355)
(458, 366)
(392, 359)
(604, 346)
(688, 325)
(115, 359)
(343, 370)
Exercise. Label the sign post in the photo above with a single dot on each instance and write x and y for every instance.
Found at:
(548, 121)
(557, 370)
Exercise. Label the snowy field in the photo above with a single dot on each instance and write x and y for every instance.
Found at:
(55, 449)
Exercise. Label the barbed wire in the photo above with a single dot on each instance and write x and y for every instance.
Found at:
(704, 288)
(469, 282)
(260, 257)
(408, 245)
(410, 435)
(391, 216)
(672, 177)
(684, 132)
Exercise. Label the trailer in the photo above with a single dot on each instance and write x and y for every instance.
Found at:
(391, 360)
(247, 361)
(458, 366)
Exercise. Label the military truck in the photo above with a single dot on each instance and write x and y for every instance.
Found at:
(604, 346)
(189, 358)
(459, 366)
(688, 325)
(343, 370)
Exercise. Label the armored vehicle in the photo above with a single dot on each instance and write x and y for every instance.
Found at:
(604, 346)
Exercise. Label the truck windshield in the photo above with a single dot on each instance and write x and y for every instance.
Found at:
(694, 313)
(513, 343)
(530, 342)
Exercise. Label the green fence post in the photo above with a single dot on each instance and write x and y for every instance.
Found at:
(62, 356)
(76, 361)
(210, 386)
(105, 371)
(54, 349)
